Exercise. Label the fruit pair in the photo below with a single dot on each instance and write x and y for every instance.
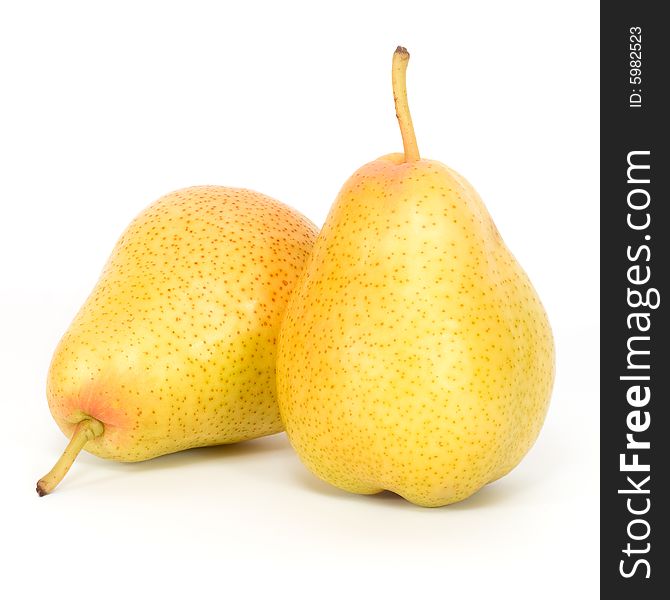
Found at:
(413, 355)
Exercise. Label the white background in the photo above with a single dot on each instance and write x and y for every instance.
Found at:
(107, 106)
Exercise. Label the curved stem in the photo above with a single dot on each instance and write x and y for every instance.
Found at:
(399, 70)
(86, 430)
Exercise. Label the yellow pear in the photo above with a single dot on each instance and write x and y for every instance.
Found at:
(414, 355)
(176, 345)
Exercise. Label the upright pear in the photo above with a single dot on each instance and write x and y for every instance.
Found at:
(415, 355)
(176, 345)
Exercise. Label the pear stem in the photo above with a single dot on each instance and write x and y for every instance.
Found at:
(399, 70)
(85, 430)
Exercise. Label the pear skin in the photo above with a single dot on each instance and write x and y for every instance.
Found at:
(415, 355)
(176, 346)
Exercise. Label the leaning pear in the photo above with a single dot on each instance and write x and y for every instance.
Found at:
(176, 345)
